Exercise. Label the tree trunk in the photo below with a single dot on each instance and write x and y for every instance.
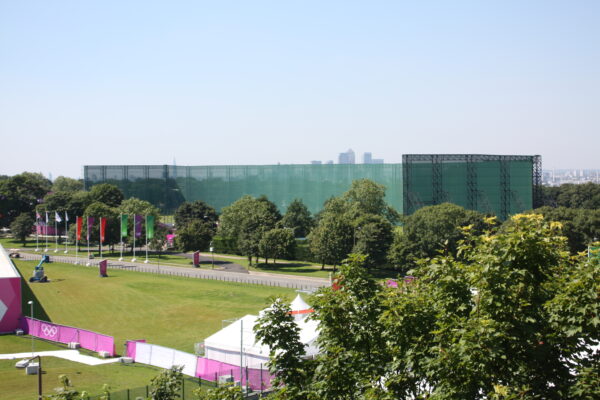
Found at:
(250, 261)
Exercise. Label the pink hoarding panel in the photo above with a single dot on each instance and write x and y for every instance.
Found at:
(10, 304)
(210, 370)
(68, 334)
(64, 334)
(87, 340)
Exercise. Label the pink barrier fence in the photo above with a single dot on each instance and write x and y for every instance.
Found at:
(65, 334)
(211, 370)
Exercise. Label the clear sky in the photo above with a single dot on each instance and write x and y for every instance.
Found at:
(262, 82)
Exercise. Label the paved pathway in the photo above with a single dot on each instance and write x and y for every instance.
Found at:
(256, 278)
(71, 355)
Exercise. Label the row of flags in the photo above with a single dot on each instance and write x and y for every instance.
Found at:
(138, 220)
(57, 217)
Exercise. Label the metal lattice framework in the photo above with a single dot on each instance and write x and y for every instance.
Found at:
(495, 184)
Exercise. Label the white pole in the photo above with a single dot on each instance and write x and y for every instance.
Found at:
(134, 222)
(76, 250)
(55, 235)
(37, 231)
(88, 240)
(146, 262)
(121, 233)
(46, 233)
(66, 233)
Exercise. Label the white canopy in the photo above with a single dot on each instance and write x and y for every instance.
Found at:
(225, 344)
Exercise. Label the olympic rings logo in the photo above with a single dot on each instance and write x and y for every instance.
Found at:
(49, 330)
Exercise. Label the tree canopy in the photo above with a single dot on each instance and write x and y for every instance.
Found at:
(511, 316)
(107, 194)
(298, 218)
(21, 194)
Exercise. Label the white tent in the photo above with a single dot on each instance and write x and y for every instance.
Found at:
(225, 345)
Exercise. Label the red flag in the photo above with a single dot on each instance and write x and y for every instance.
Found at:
(102, 229)
(79, 224)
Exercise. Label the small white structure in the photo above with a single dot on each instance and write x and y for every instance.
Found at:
(225, 345)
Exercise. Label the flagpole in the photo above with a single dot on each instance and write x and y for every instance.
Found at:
(101, 241)
(55, 233)
(134, 231)
(66, 232)
(88, 240)
(37, 231)
(146, 262)
(46, 232)
(77, 233)
(121, 231)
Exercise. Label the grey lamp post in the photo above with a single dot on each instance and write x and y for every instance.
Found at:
(30, 302)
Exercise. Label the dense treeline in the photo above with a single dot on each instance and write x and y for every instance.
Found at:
(510, 316)
(358, 221)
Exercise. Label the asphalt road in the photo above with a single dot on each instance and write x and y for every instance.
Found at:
(252, 278)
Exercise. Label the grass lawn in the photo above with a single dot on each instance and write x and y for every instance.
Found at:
(170, 311)
(16, 385)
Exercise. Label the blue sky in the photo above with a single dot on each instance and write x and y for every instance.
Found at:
(262, 82)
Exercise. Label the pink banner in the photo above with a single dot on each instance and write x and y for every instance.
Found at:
(65, 334)
(210, 370)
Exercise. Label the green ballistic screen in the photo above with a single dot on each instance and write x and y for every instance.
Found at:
(500, 185)
(168, 186)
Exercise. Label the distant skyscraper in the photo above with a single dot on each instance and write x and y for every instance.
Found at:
(316, 162)
(347, 157)
(368, 159)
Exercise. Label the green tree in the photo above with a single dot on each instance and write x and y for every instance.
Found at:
(580, 226)
(194, 211)
(107, 194)
(373, 237)
(277, 329)
(20, 194)
(21, 227)
(585, 195)
(228, 392)
(167, 385)
(246, 221)
(429, 231)
(332, 239)
(368, 197)
(195, 235)
(353, 353)
(78, 203)
(277, 243)
(482, 325)
(298, 218)
(55, 201)
(65, 184)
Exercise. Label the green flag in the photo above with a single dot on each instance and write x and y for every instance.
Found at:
(124, 225)
(149, 226)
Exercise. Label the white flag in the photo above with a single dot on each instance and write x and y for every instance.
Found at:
(57, 217)
(46, 217)
(66, 217)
